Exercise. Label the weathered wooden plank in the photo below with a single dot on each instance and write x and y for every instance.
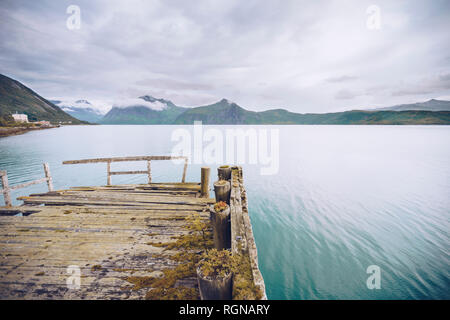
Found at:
(120, 197)
(87, 202)
(141, 198)
(156, 193)
(241, 229)
(238, 236)
(101, 210)
(153, 186)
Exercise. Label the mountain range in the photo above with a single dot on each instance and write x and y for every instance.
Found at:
(15, 97)
(227, 112)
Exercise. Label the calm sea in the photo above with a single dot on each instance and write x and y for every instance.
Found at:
(345, 198)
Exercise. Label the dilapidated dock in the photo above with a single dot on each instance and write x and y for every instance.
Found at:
(119, 241)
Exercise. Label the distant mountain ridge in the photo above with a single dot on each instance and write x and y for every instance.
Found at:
(227, 112)
(16, 97)
(430, 105)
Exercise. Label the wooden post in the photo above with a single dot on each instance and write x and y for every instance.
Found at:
(224, 172)
(221, 228)
(48, 176)
(204, 188)
(215, 289)
(149, 172)
(222, 189)
(108, 172)
(183, 179)
(6, 190)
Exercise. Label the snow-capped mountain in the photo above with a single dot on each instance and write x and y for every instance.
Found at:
(143, 110)
(80, 109)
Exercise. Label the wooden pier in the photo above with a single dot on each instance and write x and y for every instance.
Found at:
(119, 241)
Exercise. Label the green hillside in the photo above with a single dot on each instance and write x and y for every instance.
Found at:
(15, 97)
(225, 112)
(222, 112)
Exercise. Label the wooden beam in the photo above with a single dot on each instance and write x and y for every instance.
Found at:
(120, 159)
(26, 184)
(112, 173)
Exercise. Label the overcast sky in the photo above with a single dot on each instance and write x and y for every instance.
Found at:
(305, 56)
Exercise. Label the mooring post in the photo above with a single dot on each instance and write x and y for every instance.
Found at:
(149, 171)
(222, 190)
(221, 228)
(6, 190)
(215, 289)
(224, 172)
(204, 187)
(108, 172)
(48, 176)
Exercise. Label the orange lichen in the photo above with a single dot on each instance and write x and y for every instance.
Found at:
(220, 206)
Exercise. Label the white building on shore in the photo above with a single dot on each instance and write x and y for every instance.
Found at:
(20, 117)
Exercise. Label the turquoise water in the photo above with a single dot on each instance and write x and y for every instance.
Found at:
(345, 198)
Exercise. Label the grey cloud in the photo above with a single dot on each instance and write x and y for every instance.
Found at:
(439, 83)
(171, 84)
(341, 78)
(409, 92)
(345, 94)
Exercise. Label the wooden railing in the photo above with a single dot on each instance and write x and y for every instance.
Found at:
(148, 172)
(7, 188)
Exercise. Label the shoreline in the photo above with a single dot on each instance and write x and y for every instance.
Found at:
(13, 131)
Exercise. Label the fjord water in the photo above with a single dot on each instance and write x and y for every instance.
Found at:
(345, 198)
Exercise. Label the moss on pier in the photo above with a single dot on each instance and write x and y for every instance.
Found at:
(193, 245)
(243, 285)
(190, 247)
(96, 268)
